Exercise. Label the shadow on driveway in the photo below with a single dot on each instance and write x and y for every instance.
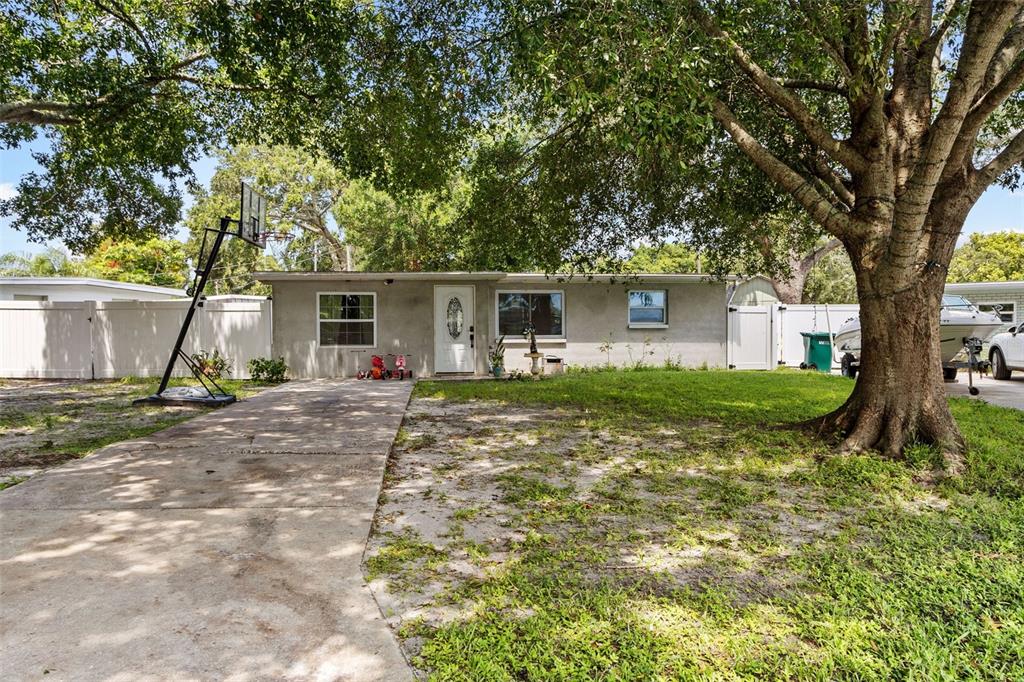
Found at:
(226, 547)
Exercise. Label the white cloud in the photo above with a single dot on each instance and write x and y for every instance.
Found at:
(7, 190)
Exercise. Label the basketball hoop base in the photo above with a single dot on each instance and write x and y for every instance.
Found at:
(187, 396)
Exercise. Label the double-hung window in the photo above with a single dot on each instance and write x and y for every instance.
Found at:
(545, 310)
(1006, 310)
(347, 319)
(648, 308)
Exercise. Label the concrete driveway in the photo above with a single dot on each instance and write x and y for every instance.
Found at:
(227, 547)
(1008, 393)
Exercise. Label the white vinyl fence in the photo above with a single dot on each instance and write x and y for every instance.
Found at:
(104, 340)
(767, 336)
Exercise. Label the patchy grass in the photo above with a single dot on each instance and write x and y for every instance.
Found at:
(11, 481)
(44, 423)
(653, 525)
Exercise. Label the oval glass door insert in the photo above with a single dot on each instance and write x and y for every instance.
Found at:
(455, 317)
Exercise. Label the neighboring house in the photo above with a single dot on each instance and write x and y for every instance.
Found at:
(327, 324)
(1009, 296)
(75, 289)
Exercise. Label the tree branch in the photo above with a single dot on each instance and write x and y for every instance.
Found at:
(820, 209)
(828, 42)
(811, 259)
(833, 181)
(808, 84)
(1009, 49)
(928, 47)
(37, 112)
(986, 25)
(47, 112)
(122, 15)
(1012, 154)
(996, 95)
(841, 151)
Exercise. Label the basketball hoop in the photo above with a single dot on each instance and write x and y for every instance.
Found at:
(252, 219)
(252, 226)
(277, 236)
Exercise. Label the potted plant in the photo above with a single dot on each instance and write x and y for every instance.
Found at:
(213, 365)
(496, 356)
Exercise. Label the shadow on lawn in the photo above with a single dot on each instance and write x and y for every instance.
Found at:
(646, 525)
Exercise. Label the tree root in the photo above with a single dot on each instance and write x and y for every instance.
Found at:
(860, 426)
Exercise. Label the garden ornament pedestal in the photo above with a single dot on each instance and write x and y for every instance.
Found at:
(535, 368)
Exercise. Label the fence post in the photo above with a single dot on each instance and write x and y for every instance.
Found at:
(89, 310)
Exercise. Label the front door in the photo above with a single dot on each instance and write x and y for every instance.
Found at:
(453, 329)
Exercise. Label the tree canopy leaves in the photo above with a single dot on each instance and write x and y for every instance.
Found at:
(991, 257)
(129, 93)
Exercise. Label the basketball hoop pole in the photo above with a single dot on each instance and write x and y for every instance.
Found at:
(204, 274)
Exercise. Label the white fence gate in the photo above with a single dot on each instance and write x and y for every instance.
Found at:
(105, 340)
(750, 335)
(767, 336)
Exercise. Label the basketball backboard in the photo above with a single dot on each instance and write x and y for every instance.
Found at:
(252, 225)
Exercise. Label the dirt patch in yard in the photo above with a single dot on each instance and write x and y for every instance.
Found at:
(44, 423)
(478, 492)
(662, 524)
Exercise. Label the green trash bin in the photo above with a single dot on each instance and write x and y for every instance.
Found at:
(817, 351)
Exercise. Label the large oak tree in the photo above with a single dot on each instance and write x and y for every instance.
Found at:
(883, 121)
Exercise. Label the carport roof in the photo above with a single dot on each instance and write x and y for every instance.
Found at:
(508, 277)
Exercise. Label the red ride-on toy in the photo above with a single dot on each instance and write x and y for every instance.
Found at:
(400, 371)
(377, 369)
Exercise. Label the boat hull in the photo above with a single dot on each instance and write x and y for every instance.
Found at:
(951, 337)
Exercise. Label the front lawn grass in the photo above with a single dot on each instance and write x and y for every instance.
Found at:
(661, 527)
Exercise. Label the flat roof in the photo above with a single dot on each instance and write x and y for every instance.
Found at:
(509, 277)
(92, 282)
(1016, 285)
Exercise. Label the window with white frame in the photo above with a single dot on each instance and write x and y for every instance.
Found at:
(648, 308)
(543, 309)
(347, 319)
(1006, 310)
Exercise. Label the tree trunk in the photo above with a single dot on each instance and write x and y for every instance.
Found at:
(899, 397)
(790, 291)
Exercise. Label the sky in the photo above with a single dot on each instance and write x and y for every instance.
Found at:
(997, 210)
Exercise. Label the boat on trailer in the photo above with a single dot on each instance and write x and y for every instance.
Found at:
(959, 321)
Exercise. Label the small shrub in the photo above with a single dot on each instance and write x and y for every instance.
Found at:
(213, 365)
(268, 370)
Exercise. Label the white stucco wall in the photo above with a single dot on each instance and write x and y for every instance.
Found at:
(595, 314)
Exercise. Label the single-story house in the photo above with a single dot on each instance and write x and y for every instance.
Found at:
(75, 289)
(328, 324)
